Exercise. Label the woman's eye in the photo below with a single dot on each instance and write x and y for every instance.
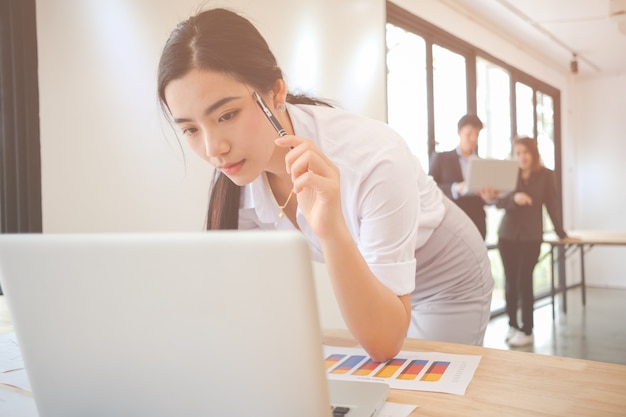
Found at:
(228, 116)
(189, 131)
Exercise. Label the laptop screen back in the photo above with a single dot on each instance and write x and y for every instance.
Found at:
(213, 324)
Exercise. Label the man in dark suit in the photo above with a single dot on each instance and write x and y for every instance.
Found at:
(449, 169)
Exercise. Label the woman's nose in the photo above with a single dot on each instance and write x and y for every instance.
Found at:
(214, 146)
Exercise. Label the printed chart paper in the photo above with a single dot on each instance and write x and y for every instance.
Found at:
(417, 371)
(10, 355)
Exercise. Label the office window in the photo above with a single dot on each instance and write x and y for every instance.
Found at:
(493, 102)
(406, 89)
(545, 128)
(449, 96)
(20, 166)
(545, 143)
(525, 110)
(461, 78)
(536, 118)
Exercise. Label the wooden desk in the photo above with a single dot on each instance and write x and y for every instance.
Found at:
(580, 241)
(511, 383)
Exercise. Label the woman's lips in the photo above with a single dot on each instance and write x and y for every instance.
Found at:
(232, 169)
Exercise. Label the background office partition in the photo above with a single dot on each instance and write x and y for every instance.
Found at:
(109, 160)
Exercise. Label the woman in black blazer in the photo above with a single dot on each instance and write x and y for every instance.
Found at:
(521, 233)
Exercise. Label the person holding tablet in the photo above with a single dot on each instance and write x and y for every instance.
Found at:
(449, 169)
(402, 259)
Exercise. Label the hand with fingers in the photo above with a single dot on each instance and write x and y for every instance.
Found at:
(316, 184)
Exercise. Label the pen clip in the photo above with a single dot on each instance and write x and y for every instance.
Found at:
(269, 115)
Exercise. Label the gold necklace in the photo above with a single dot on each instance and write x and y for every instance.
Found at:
(281, 208)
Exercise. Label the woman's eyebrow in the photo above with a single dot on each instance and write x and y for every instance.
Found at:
(210, 109)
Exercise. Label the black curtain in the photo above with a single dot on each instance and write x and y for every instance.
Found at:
(20, 156)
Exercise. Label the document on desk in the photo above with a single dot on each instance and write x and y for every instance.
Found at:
(15, 404)
(17, 378)
(12, 373)
(10, 355)
(417, 371)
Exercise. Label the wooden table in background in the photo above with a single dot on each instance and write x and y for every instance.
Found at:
(580, 242)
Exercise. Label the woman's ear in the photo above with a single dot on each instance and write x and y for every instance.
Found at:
(280, 91)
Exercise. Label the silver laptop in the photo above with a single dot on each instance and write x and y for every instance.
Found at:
(500, 174)
(175, 324)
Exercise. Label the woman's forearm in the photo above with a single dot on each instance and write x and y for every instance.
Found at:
(375, 316)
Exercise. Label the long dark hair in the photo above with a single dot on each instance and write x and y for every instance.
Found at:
(222, 41)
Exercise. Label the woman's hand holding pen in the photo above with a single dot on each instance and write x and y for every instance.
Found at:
(316, 184)
(360, 295)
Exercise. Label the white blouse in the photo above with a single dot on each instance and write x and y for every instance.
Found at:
(390, 205)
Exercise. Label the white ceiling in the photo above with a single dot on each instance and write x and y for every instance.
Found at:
(594, 30)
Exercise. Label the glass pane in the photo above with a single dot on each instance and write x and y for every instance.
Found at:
(545, 141)
(542, 271)
(450, 96)
(545, 128)
(525, 110)
(493, 100)
(498, 297)
(406, 89)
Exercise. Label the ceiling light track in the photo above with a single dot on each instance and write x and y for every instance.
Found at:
(545, 32)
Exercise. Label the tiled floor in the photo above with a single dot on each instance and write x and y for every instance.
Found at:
(596, 331)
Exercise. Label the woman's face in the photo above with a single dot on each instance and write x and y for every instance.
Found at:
(222, 124)
(524, 157)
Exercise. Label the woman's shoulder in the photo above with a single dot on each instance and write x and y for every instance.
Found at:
(337, 116)
(544, 172)
(354, 142)
(544, 176)
(335, 127)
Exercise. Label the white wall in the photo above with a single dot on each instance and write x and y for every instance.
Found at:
(600, 135)
(109, 162)
(600, 174)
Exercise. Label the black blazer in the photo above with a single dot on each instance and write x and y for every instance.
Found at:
(445, 170)
(526, 222)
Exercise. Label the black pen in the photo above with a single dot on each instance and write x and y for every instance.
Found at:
(270, 116)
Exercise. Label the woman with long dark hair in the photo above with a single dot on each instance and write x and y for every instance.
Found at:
(402, 259)
(521, 233)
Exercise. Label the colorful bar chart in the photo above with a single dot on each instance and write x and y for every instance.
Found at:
(390, 368)
(426, 371)
(366, 368)
(332, 360)
(413, 369)
(347, 365)
(435, 371)
(343, 364)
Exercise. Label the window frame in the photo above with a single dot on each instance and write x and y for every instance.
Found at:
(435, 35)
(432, 34)
(20, 150)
